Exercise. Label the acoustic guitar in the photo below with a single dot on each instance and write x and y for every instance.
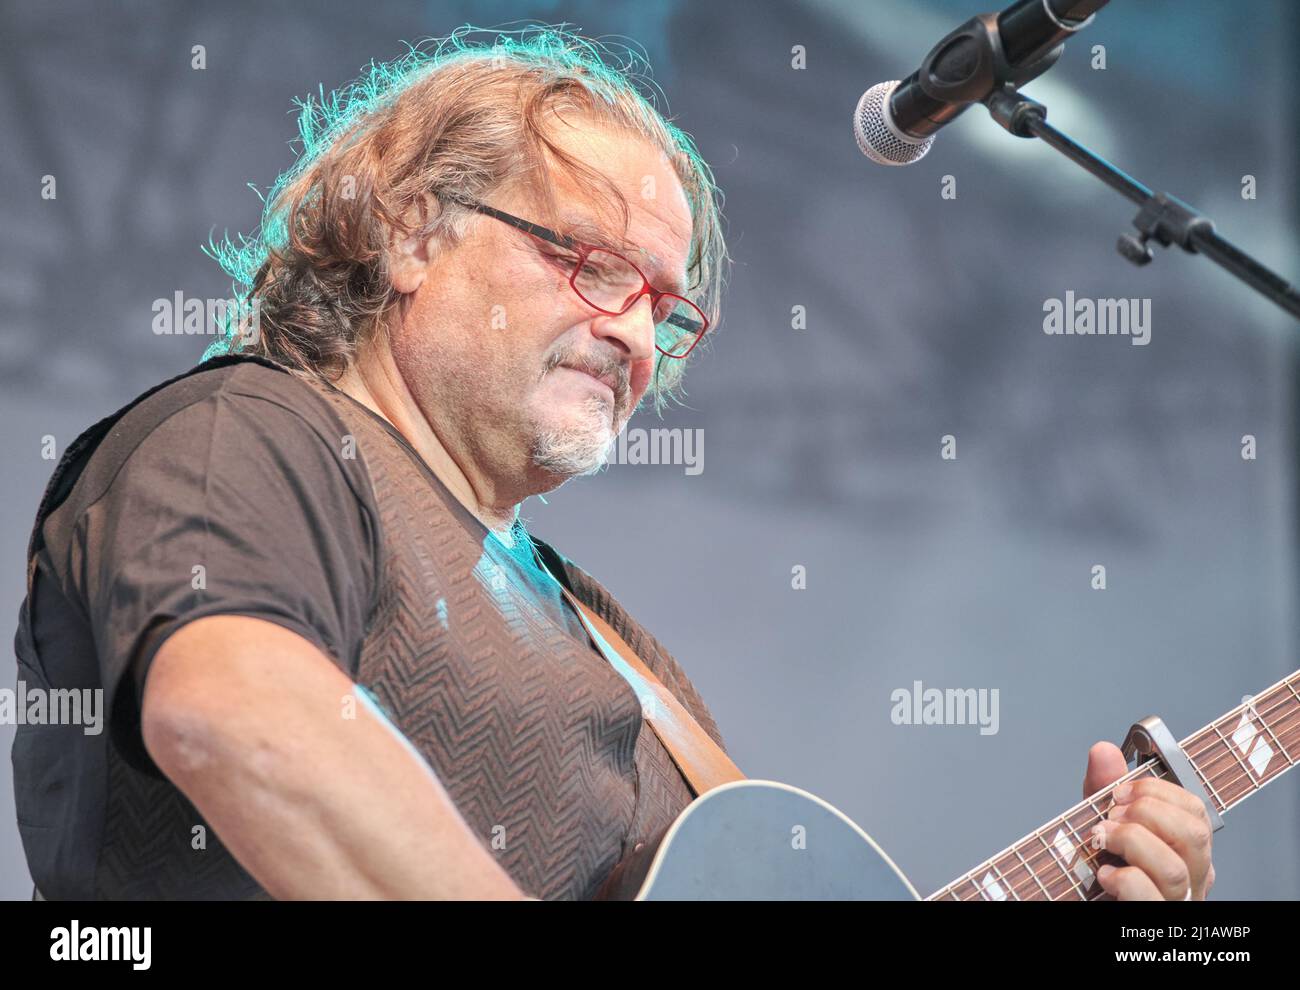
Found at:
(762, 840)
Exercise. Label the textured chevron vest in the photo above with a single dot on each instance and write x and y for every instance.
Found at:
(540, 743)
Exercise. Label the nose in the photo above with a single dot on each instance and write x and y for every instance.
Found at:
(632, 332)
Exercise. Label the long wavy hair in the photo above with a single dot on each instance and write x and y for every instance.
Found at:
(456, 116)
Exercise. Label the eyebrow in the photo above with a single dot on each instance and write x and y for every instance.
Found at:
(584, 229)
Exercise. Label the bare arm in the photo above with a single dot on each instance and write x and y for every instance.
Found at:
(247, 719)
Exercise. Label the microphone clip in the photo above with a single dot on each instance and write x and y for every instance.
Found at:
(970, 64)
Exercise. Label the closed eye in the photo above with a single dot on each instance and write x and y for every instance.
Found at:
(559, 256)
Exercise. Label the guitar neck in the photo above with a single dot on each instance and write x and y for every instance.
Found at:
(1233, 757)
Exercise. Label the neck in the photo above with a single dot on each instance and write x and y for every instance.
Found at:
(374, 380)
(1233, 757)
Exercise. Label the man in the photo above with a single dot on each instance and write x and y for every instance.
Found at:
(336, 664)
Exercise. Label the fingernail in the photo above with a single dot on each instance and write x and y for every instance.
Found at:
(1105, 872)
(1116, 813)
(1123, 791)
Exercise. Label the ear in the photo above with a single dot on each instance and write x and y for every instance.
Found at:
(412, 254)
(408, 265)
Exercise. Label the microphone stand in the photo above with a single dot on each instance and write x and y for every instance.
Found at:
(1162, 218)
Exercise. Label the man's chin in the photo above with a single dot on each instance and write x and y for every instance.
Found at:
(572, 453)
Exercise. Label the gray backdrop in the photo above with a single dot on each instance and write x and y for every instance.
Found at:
(924, 319)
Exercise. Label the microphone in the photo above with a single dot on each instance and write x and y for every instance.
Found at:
(895, 122)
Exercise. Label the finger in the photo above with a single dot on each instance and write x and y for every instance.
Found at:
(1127, 883)
(1163, 790)
(1141, 848)
(1186, 832)
(1105, 766)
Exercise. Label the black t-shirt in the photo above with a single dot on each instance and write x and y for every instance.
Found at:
(232, 499)
(235, 489)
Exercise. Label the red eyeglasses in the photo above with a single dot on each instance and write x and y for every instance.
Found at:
(610, 283)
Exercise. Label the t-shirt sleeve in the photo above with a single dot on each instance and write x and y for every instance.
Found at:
(234, 505)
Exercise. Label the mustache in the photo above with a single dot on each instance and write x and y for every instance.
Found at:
(607, 366)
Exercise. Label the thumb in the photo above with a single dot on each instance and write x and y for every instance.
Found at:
(1105, 766)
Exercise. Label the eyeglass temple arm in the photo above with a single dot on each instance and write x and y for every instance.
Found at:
(514, 221)
(685, 322)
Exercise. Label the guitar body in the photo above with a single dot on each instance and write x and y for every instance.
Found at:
(760, 840)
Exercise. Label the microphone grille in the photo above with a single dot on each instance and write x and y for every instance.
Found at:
(877, 137)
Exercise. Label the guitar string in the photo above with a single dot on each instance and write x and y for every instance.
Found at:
(1035, 880)
(1279, 732)
(1063, 820)
(1219, 738)
(1287, 693)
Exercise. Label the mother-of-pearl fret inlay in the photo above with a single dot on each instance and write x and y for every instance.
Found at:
(1067, 851)
(992, 889)
(1261, 754)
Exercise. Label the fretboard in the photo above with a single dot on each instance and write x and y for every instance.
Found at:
(1233, 757)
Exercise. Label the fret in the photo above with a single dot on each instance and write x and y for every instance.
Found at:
(1083, 866)
(1104, 857)
(1100, 815)
(1288, 683)
(1024, 862)
(950, 890)
(1007, 886)
(1054, 856)
(1258, 766)
(1277, 743)
(1019, 879)
(989, 889)
(1215, 797)
(993, 886)
(1232, 751)
(1152, 768)
(1286, 725)
(1000, 870)
(1293, 709)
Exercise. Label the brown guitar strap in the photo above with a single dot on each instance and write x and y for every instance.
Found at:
(700, 759)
